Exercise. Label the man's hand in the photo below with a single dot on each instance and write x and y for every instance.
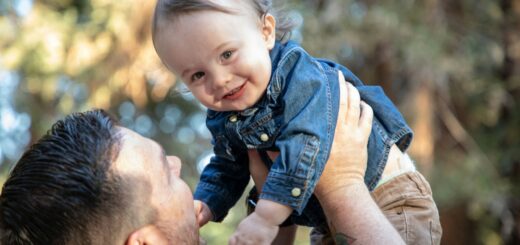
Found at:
(254, 229)
(348, 158)
(202, 212)
(352, 214)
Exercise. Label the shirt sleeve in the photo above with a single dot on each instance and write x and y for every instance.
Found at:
(306, 132)
(223, 181)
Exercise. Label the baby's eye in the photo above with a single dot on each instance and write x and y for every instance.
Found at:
(196, 76)
(227, 54)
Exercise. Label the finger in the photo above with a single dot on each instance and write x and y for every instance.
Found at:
(201, 220)
(198, 212)
(365, 120)
(198, 206)
(202, 241)
(353, 105)
(232, 240)
(343, 101)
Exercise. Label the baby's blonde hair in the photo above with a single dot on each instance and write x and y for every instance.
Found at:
(171, 9)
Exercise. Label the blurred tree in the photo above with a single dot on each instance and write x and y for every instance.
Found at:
(452, 67)
(74, 55)
(62, 56)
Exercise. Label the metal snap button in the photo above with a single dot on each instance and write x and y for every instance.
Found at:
(264, 137)
(296, 192)
(233, 118)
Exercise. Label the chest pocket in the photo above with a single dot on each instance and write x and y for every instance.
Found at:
(260, 131)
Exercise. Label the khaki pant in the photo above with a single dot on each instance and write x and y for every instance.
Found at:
(407, 202)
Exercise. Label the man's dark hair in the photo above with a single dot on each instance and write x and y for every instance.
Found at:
(62, 186)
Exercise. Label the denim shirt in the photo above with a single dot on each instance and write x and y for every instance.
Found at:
(296, 117)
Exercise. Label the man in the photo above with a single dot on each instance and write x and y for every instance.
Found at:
(89, 181)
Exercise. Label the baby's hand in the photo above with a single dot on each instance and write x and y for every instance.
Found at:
(254, 229)
(202, 212)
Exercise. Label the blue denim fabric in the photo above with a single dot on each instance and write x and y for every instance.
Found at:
(298, 115)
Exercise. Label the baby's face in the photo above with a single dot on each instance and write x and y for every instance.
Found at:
(223, 58)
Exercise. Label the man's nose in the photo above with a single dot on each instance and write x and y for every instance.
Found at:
(175, 165)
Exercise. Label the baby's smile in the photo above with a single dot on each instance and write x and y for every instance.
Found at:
(235, 93)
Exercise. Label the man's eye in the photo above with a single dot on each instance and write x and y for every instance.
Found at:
(227, 54)
(197, 76)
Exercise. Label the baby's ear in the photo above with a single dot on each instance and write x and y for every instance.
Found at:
(269, 30)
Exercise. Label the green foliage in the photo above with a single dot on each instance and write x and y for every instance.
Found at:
(74, 55)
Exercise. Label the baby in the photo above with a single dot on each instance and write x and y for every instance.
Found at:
(269, 100)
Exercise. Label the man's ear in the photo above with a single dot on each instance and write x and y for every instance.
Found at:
(269, 30)
(147, 235)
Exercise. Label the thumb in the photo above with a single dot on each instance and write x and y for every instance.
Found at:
(198, 206)
(367, 115)
(198, 212)
(202, 213)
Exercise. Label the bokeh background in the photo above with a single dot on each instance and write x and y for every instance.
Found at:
(451, 66)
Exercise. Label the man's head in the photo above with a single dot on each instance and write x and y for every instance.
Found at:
(88, 181)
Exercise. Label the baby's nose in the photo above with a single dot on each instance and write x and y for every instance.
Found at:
(221, 79)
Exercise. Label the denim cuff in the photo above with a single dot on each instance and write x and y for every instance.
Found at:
(287, 190)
